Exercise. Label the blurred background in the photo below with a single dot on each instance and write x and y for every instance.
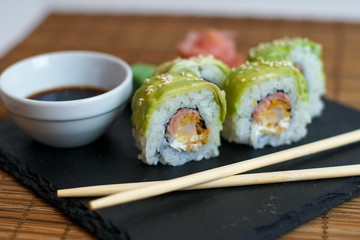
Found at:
(19, 17)
(130, 30)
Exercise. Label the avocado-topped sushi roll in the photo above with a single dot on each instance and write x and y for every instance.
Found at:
(266, 104)
(306, 56)
(208, 68)
(176, 118)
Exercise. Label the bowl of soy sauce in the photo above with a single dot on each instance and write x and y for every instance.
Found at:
(68, 98)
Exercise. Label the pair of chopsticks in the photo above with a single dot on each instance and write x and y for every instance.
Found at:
(224, 176)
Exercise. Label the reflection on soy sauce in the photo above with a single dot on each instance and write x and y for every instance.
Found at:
(67, 93)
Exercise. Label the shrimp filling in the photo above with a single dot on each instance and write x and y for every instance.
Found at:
(186, 131)
(272, 114)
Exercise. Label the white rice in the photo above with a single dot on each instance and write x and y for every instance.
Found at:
(313, 73)
(212, 74)
(154, 146)
(208, 72)
(241, 128)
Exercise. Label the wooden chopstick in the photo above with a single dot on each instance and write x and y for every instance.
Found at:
(225, 171)
(232, 181)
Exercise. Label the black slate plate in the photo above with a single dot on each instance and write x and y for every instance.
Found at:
(252, 212)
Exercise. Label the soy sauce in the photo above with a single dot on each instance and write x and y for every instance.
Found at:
(67, 93)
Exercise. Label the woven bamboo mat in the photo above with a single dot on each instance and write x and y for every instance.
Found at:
(152, 39)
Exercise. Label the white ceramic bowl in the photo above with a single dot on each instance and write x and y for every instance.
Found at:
(66, 123)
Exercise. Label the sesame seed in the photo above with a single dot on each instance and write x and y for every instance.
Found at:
(166, 80)
(243, 80)
(149, 89)
(147, 80)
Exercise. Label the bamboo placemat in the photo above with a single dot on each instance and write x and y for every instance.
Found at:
(152, 39)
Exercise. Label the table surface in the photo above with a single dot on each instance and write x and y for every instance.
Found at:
(153, 39)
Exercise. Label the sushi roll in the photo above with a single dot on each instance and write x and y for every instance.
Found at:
(266, 104)
(176, 118)
(306, 56)
(208, 68)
